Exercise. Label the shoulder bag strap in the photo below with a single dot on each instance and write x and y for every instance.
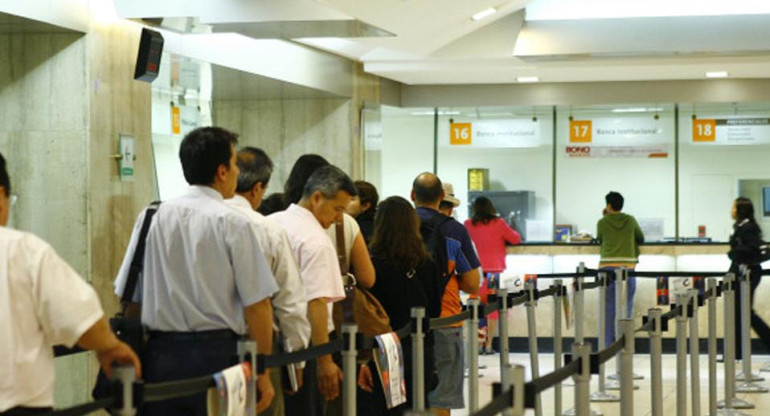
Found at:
(342, 254)
(137, 263)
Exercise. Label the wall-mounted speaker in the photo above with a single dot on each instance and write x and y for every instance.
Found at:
(148, 60)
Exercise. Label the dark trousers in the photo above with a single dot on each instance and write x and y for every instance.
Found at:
(757, 323)
(23, 411)
(307, 401)
(177, 356)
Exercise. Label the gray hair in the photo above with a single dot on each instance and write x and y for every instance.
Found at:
(329, 180)
(255, 167)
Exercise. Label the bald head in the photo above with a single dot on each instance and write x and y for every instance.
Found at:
(427, 190)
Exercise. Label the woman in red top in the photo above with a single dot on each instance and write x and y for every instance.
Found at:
(490, 233)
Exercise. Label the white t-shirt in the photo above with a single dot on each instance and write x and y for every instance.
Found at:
(43, 302)
(316, 255)
(290, 302)
(200, 268)
(350, 230)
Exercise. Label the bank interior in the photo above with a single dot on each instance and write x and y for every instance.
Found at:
(541, 105)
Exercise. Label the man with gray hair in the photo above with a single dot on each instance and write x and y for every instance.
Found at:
(325, 197)
(289, 303)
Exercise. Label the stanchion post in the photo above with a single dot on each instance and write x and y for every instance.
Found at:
(627, 368)
(502, 328)
(694, 352)
(126, 375)
(602, 395)
(557, 347)
(418, 360)
(656, 360)
(711, 305)
(730, 402)
(746, 376)
(530, 288)
(247, 350)
(620, 280)
(517, 375)
(473, 360)
(582, 378)
(681, 355)
(349, 369)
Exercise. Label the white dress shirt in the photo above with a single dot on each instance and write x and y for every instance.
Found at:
(317, 257)
(200, 268)
(43, 302)
(290, 302)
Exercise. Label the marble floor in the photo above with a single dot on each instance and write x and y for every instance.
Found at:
(642, 399)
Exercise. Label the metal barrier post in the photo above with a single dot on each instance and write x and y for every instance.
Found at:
(602, 395)
(514, 380)
(582, 378)
(746, 375)
(627, 369)
(127, 376)
(502, 328)
(579, 334)
(694, 354)
(529, 287)
(557, 341)
(712, 329)
(349, 369)
(730, 402)
(247, 350)
(656, 360)
(418, 361)
(681, 355)
(473, 360)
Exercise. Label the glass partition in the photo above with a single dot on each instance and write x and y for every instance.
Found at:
(505, 153)
(723, 154)
(628, 149)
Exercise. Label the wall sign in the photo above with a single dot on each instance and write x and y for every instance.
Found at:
(126, 165)
(731, 131)
(511, 133)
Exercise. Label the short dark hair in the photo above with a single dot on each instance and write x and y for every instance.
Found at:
(5, 180)
(367, 193)
(271, 204)
(203, 150)
(744, 209)
(445, 206)
(329, 180)
(255, 166)
(615, 199)
(303, 168)
(427, 188)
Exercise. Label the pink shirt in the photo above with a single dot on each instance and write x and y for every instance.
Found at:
(490, 239)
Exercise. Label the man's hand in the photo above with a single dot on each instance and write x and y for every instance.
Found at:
(329, 377)
(265, 392)
(365, 380)
(289, 391)
(121, 353)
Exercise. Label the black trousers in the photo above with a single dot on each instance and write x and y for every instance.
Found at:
(307, 401)
(177, 356)
(757, 323)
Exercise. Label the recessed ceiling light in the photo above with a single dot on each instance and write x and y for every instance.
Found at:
(716, 74)
(527, 79)
(484, 13)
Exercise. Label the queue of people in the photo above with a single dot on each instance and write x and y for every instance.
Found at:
(224, 261)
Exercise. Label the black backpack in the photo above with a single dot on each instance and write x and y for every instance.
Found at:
(435, 243)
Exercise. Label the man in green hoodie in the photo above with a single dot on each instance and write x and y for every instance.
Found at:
(620, 237)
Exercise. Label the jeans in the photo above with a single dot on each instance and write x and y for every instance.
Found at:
(609, 308)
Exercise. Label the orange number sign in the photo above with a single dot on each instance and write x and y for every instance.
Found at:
(460, 133)
(580, 131)
(704, 130)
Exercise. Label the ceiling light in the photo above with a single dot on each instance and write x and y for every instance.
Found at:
(636, 110)
(716, 74)
(484, 13)
(527, 79)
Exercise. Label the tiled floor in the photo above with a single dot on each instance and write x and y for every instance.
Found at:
(642, 399)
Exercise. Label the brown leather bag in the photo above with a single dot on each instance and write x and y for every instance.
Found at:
(359, 305)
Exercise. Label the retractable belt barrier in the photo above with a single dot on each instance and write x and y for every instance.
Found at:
(515, 395)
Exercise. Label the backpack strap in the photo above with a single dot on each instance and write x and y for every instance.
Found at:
(137, 262)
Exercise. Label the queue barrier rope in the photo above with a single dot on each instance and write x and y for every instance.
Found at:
(181, 388)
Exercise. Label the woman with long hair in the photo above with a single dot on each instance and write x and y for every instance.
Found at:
(490, 234)
(744, 250)
(407, 277)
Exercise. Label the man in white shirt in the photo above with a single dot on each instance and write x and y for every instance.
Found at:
(43, 302)
(290, 302)
(203, 285)
(324, 199)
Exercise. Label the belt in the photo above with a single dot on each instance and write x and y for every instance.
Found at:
(189, 336)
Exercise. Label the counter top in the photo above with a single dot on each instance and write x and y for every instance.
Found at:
(666, 249)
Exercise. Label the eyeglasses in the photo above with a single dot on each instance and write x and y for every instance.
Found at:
(14, 198)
